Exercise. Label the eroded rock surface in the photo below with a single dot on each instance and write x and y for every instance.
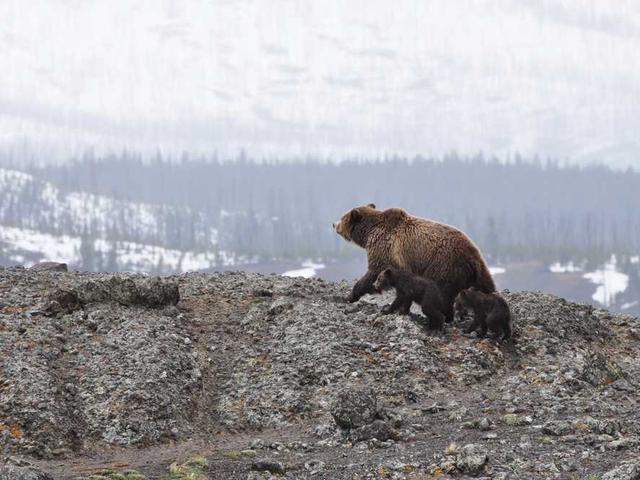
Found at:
(284, 369)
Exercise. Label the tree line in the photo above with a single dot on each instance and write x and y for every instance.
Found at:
(518, 209)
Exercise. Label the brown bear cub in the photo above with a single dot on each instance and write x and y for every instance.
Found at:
(412, 288)
(490, 311)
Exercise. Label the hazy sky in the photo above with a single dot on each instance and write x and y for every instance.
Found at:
(280, 77)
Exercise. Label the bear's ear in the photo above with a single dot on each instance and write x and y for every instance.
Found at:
(372, 205)
(388, 272)
(355, 216)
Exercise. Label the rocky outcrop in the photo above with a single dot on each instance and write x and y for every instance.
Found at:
(94, 360)
(18, 469)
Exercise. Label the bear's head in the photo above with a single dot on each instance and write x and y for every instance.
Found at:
(354, 225)
(384, 280)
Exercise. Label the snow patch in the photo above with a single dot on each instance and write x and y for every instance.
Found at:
(610, 282)
(569, 267)
(46, 247)
(27, 247)
(308, 270)
(496, 270)
(627, 306)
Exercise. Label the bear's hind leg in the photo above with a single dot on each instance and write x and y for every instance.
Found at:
(435, 316)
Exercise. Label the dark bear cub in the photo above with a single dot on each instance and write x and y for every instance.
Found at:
(490, 311)
(412, 288)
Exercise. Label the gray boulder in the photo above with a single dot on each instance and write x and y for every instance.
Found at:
(354, 408)
(626, 471)
(49, 267)
(378, 429)
(18, 469)
(147, 292)
(471, 459)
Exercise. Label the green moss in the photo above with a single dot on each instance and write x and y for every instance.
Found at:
(546, 440)
(198, 461)
(512, 420)
(192, 469)
(113, 475)
(235, 454)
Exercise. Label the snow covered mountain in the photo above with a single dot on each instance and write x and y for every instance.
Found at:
(554, 78)
(45, 207)
(40, 222)
(26, 247)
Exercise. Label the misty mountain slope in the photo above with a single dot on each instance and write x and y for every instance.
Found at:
(27, 247)
(32, 203)
(333, 79)
(36, 217)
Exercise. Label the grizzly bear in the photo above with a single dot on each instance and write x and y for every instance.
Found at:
(490, 311)
(393, 238)
(412, 288)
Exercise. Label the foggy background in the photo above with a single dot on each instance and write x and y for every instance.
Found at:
(167, 136)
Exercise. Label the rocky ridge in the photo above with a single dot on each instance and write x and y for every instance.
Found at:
(274, 377)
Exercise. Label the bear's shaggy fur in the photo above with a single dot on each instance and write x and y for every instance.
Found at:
(393, 238)
(412, 288)
(490, 311)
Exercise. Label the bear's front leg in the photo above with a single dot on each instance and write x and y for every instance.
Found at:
(363, 286)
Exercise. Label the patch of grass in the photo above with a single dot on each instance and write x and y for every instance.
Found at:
(546, 440)
(113, 475)
(192, 469)
(514, 420)
(234, 454)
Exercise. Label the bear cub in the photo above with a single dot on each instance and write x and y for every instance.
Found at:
(490, 311)
(412, 288)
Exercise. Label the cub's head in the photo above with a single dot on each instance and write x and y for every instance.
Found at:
(353, 225)
(384, 280)
(466, 299)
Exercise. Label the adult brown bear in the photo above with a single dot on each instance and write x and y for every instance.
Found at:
(393, 238)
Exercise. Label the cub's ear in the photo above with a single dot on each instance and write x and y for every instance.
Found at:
(355, 216)
(387, 272)
(372, 205)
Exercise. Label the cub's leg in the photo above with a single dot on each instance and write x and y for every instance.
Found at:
(499, 324)
(474, 324)
(395, 305)
(483, 329)
(405, 308)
